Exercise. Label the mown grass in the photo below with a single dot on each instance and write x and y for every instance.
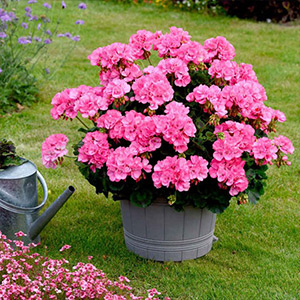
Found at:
(256, 256)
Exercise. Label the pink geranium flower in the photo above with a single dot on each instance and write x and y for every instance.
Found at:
(219, 48)
(116, 89)
(264, 151)
(284, 144)
(53, 150)
(95, 150)
(154, 89)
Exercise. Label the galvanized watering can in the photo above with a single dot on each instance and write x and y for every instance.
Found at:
(19, 208)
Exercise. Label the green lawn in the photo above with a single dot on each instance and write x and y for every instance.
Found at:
(257, 255)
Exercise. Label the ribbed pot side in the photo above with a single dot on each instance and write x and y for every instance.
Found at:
(160, 233)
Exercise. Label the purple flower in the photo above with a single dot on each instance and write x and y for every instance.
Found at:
(82, 6)
(12, 15)
(2, 35)
(60, 35)
(31, 1)
(48, 32)
(63, 4)
(23, 40)
(76, 38)
(39, 26)
(37, 39)
(79, 22)
(28, 9)
(47, 5)
(33, 18)
(5, 18)
(0, 70)
(68, 35)
(47, 71)
(24, 25)
(47, 41)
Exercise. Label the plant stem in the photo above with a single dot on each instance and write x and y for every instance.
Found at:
(68, 156)
(82, 122)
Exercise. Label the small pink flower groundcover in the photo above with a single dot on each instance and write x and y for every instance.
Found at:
(28, 275)
(195, 116)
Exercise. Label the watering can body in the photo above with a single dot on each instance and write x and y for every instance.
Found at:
(19, 207)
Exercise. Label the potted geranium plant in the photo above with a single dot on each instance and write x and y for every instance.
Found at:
(190, 131)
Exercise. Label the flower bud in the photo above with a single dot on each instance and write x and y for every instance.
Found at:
(221, 135)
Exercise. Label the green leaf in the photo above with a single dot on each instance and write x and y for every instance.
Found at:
(84, 130)
(141, 198)
(210, 136)
(252, 197)
(8, 155)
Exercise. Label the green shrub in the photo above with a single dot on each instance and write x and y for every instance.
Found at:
(27, 32)
(204, 6)
(263, 10)
(18, 86)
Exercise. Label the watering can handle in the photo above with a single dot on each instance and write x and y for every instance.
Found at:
(45, 190)
(28, 210)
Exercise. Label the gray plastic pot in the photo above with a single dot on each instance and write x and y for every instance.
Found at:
(160, 233)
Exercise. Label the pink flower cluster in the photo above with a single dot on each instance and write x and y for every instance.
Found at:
(116, 62)
(191, 52)
(27, 275)
(265, 150)
(209, 98)
(219, 48)
(154, 89)
(238, 138)
(124, 162)
(111, 55)
(138, 111)
(145, 132)
(245, 98)
(178, 68)
(142, 43)
(176, 127)
(134, 127)
(63, 105)
(229, 173)
(95, 150)
(227, 165)
(168, 44)
(141, 132)
(116, 89)
(84, 99)
(223, 69)
(53, 150)
(112, 121)
(179, 172)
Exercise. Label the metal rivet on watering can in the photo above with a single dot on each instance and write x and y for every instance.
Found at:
(19, 202)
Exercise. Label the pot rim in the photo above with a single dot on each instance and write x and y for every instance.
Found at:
(7, 174)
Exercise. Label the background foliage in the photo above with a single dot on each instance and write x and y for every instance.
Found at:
(263, 10)
(278, 11)
(28, 35)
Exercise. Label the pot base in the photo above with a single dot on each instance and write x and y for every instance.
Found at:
(160, 233)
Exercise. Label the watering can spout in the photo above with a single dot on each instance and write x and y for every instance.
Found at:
(38, 225)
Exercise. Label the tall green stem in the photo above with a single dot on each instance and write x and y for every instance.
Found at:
(82, 122)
